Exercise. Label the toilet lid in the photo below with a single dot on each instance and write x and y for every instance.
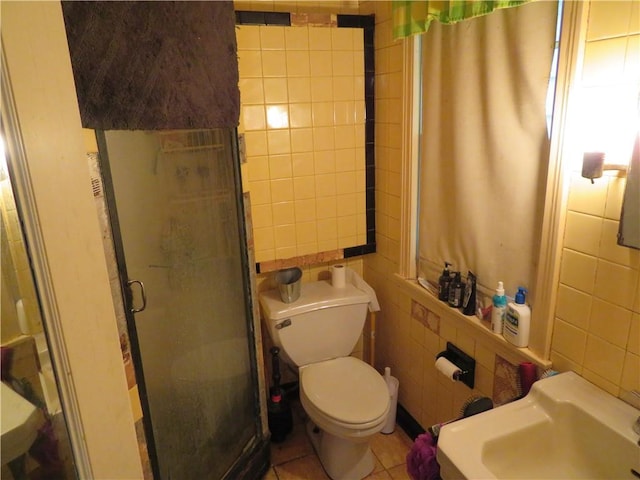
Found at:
(346, 389)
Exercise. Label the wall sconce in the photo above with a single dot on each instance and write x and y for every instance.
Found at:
(593, 165)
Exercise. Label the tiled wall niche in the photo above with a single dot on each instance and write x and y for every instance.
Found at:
(307, 121)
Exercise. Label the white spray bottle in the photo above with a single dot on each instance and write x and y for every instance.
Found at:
(498, 310)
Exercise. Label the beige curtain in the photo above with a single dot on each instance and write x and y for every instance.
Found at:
(485, 150)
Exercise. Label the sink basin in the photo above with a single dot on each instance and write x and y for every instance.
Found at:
(20, 423)
(565, 428)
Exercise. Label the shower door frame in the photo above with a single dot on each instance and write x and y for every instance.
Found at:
(26, 205)
(257, 450)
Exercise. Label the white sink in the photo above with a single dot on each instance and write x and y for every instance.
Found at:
(565, 428)
(20, 423)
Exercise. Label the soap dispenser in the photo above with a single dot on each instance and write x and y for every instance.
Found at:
(517, 320)
(443, 283)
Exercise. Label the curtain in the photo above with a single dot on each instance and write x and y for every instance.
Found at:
(411, 17)
(484, 148)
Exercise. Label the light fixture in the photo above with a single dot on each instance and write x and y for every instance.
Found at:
(593, 165)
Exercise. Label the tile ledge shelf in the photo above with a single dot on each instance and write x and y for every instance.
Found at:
(470, 323)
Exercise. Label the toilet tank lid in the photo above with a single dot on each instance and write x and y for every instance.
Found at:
(313, 296)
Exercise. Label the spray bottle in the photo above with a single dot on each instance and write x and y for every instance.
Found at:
(498, 310)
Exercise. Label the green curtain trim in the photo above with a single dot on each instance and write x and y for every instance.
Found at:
(412, 17)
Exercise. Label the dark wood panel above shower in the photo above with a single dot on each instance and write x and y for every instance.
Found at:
(154, 65)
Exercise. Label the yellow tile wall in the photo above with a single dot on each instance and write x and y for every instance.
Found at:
(313, 168)
(586, 322)
(302, 103)
(597, 327)
(402, 342)
(596, 331)
(19, 281)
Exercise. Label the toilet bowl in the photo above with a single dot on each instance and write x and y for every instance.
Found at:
(346, 400)
(20, 423)
(344, 396)
(347, 405)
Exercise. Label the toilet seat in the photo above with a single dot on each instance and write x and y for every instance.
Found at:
(346, 391)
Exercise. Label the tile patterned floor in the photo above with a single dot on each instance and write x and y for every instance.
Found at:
(295, 459)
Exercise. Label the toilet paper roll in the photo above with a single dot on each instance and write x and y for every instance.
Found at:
(448, 369)
(338, 276)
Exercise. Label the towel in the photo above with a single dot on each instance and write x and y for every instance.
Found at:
(421, 459)
(357, 281)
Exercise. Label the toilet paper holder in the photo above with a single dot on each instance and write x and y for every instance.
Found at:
(464, 362)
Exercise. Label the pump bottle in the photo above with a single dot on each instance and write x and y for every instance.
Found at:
(444, 282)
(517, 320)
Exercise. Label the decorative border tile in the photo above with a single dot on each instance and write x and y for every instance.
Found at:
(302, 261)
(505, 381)
(425, 316)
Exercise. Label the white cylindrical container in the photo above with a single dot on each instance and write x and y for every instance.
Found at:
(338, 276)
(289, 281)
(392, 384)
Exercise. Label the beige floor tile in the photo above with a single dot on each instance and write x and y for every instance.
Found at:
(305, 468)
(391, 449)
(296, 445)
(383, 475)
(378, 467)
(399, 472)
(270, 475)
(295, 459)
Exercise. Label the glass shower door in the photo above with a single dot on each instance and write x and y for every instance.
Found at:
(175, 210)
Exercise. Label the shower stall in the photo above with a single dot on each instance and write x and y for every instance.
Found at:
(176, 215)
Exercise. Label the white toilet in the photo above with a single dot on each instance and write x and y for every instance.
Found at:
(347, 400)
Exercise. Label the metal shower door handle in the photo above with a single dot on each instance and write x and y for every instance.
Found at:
(142, 294)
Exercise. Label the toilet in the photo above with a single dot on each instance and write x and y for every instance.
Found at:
(346, 400)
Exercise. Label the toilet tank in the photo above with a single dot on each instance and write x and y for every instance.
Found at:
(325, 322)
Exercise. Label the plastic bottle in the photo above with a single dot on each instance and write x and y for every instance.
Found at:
(517, 320)
(498, 310)
(456, 289)
(469, 299)
(443, 283)
(392, 385)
